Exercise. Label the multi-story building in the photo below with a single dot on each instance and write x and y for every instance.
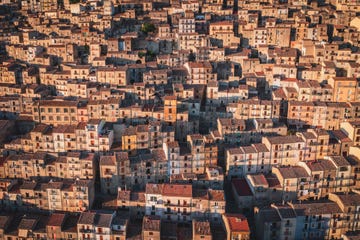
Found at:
(237, 226)
(248, 160)
(151, 227)
(248, 109)
(67, 195)
(55, 112)
(94, 225)
(200, 72)
(294, 181)
(182, 202)
(114, 171)
(352, 131)
(285, 150)
(345, 89)
(201, 230)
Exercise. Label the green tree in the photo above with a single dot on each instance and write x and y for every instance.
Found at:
(148, 27)
(141, 54)
(87, 49)
(192, 57)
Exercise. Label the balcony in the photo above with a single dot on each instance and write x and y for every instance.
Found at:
(109, 173)
(178, 205)
(185, 213)
(273, 227)
(29, 197)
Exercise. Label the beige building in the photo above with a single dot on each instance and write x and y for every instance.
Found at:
(114, 171)
(55, 112)
(201, 230)
(352, 130)
(285, 150)
(151, 227)
(237, 226)
(200, 72)
(345, 89)
(224, 33)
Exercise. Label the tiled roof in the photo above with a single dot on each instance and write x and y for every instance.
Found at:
(237, 223)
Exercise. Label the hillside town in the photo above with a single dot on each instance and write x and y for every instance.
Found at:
(180, 119)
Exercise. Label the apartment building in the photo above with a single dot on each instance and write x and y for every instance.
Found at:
(248, 160)
(223, 34)
(327, 115)
(201, 230)
(94, 225)
(317, 144)
(345, 89)
(187, 25)
(94, 136)
(294, 181)
(203, 153)
(108, 109)
(265, 188)
(148, 167)
(172, 154)
(313, 219)
(71, 165)
(285, 150)
(192, 41)
(50, 195)
(182, 202)
(238, 131)
(200, 72)
(116, 76)
(151, 227)
(114, 171)
(349, 205)
(170, 109)
(55, 112)
(236, 226)
(247, 109)
(352, 131)
(146, 136)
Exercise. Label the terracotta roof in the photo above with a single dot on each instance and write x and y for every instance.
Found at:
(87, 218)
(201, 227)
(152, 188)
(241, 187)
(151, 223)
(56, 219)
(293, 172)
(316, 208)
(351, 199)
(237, 223)
(181, 190)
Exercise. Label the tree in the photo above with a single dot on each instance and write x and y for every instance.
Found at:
(86, 49)
(148, 27)
(150, 55)
(141, 54)
(192, 57)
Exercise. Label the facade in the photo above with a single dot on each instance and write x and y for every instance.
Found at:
(154, 111)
